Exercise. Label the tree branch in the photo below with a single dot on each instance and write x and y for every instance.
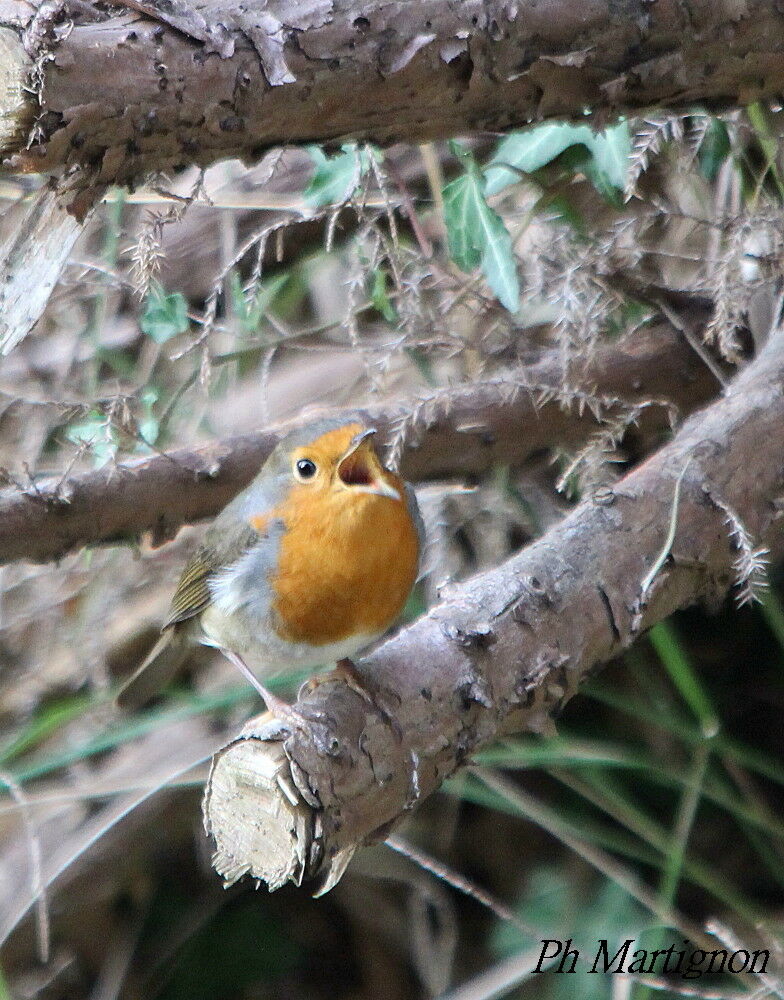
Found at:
(193, 82)
(507, 647)
(454, 432)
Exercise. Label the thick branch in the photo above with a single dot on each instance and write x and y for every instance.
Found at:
(454, 433)
(197, 81)
(507, 647)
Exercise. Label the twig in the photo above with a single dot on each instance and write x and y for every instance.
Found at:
(692, 341)
(662, 557)
(457, 881)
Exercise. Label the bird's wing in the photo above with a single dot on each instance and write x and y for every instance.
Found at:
(193, 591)
(219, 550)
(416, 517)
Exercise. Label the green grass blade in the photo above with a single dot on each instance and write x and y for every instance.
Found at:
(665, 641)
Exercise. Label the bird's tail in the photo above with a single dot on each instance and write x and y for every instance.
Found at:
(158, 668)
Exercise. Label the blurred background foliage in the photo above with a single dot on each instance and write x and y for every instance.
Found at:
(206, 305)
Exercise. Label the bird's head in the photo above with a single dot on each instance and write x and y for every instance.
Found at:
(323, 472)
(342, 461)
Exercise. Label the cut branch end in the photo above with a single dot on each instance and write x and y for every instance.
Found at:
(260, 829)
(16, 104)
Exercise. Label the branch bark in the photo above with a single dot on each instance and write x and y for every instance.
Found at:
(120, 96)
(506, 648)
(456, 432)
(36, 237)
(14, 106)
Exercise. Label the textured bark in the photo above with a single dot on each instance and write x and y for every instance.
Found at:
(14, 105)
(195, 82)
(36, 237)
(506, 648)
(455, 433)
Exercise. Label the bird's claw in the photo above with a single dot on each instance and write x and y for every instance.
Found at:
(346, 671)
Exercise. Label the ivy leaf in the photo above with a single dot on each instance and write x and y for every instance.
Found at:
(477, 236)
(96, 434)
(336, 178)
(251, 308)
(580, 161)
(165, 314)
(602, 156)
(714, 148)
(611, 150)
(528, 151)
(148, 424)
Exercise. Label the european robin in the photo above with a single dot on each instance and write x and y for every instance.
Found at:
(309, 564)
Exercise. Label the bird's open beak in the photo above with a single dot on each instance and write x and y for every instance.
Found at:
(361, 469)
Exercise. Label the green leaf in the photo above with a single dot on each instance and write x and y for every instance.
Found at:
(532, 149)
(149, 425)
(610, 150)
(759, 117)
(602, 182)
(380, 297)
(336, 178)
(714, 148)
(165, 314)
(477, 236)
(529, 151)
(250, 309)
(95, 433)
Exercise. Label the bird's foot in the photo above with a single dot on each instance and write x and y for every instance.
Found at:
(284, 712)
(346, 671)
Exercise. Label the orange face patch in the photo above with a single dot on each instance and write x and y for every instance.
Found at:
(327, 450)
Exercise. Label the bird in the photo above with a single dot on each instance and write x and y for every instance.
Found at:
(311, 563)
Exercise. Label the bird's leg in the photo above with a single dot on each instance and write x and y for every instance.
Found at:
(280, 709)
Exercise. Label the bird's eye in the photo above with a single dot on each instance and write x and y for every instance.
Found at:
(306, 469)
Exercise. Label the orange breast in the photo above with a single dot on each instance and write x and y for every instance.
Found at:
(347, 563)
